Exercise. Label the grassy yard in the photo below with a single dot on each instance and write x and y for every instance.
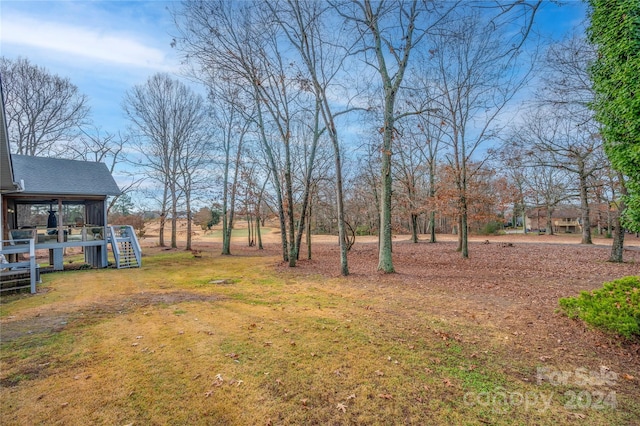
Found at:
(236, 341)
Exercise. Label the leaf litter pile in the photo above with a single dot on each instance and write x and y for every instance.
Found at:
(511, 290)
(444, 340)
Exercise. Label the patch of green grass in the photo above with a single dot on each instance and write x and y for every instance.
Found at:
(35, 355)
(247, 298)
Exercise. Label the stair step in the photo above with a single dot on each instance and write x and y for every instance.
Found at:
(124, 249)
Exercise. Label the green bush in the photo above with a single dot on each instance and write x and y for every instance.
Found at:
(363, 230)
(615, 307)
(490, 228)
(215, 218)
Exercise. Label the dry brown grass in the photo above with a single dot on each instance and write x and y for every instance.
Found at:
(164, 345)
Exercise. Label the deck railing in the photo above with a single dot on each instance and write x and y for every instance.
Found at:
(11, 272)
(50, 235)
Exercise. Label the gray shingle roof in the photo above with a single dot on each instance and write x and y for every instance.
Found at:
(58, 176)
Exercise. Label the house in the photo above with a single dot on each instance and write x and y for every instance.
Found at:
(53, 204)
(564, 219)
(60, 203)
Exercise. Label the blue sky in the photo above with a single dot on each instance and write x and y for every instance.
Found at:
(103, 47)
(106, 47)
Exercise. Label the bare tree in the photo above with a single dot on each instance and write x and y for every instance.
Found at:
(167, 119)
(43, 110)
(420, 146)
(478, 75)
(226, 39)
(557, 141)
(390, 31)
(230, 119)
(363, 191)
(539, 184)
(549, 187)
(193, 163)
(108, 148)
(240, 42)
(409, 172)
(513, 166)
(323, 53)
(432, 134)
(609, 188)
(562, 130)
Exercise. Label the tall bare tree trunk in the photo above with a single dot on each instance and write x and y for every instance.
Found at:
(549, 230)
(163, 219)
(432, 194)
(342, 236)
(414, 228)
(308, 233)
(259, 218)
(617, 248)
(391, 85)
(584, 206)
(464, 229)
(432, 227)
(259, 232)
(174, 217)
(226, 234)
(188, 205)
(228, 199)
(524, 217)
(163, 216)
(273, 170)
(459, 248)
(306, 198)
(385, 261)
(226, 248)
(250, 241)
(293, 252)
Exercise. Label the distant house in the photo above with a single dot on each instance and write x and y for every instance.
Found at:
(565, 219)
(57, 203)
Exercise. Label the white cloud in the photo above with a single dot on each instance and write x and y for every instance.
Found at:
(93, 44)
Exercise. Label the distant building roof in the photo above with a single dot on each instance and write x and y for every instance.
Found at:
(56, 176)
(559, 212)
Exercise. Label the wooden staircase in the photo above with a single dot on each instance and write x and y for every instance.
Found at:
(125, 247)
(127, 257)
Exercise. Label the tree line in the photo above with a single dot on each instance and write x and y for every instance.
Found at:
(362, 117)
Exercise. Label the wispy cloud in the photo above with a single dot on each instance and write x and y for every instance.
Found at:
(84, 43)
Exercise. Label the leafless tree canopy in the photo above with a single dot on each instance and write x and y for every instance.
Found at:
(440, 78)
(169, 124)
(44, 111)
(356, 117)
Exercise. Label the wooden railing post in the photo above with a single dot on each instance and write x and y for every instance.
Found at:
(32, 265)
